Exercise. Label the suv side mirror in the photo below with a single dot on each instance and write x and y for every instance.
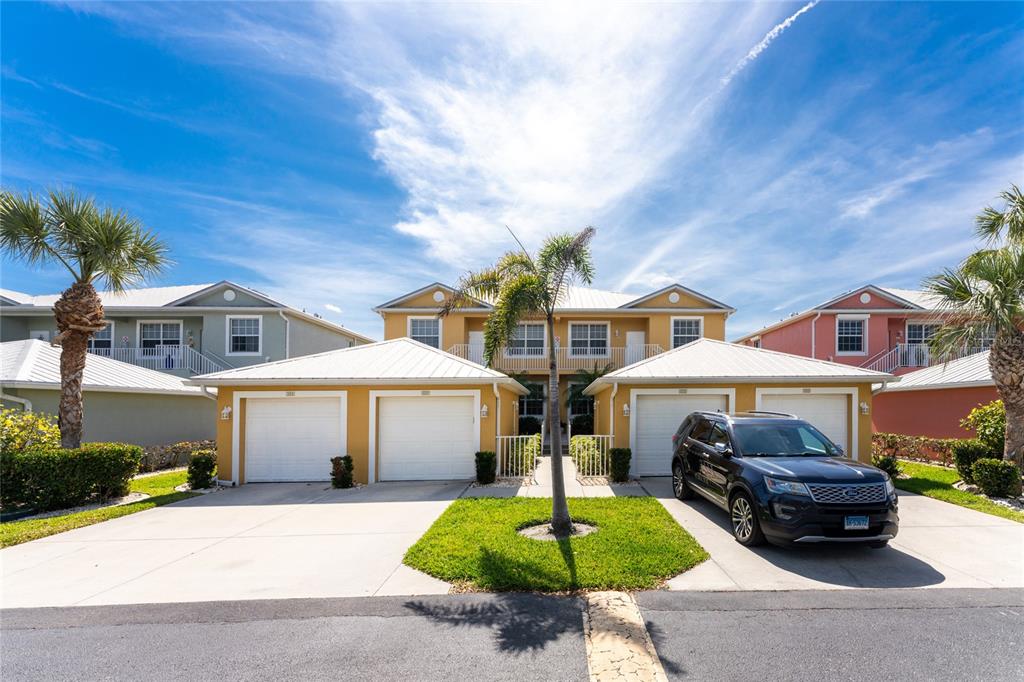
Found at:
(723, 449)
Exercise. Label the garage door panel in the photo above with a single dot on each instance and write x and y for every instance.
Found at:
(427, 437)
(828, 412)
(294, 438)
(657, 419)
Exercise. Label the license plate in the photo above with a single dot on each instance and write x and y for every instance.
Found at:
(855, 523)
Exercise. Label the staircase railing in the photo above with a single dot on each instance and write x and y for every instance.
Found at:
(914, 355)
(162, 358)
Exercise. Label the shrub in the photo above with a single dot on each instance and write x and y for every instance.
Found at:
(588, 455)
(341, 471)
(157, 457)
(528, 426)
(620, 464)
(997, 477)
(583, 425)
(965, 454)
(989, 424)
(201, 469)
(937, 450)
(57, 478)
(486, 467)
(887, 463)
(20, 431)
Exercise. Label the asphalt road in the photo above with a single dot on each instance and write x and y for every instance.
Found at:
(812, 635)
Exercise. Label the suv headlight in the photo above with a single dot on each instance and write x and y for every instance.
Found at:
(890, 488)
(777, 486)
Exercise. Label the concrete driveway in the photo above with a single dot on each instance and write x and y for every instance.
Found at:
(939, 545)
(260, 541)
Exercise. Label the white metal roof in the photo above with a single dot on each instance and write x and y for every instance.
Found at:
(921, 299)
(966, 372)
(397, 361)
(31, 363)
(151, 297)
(708, 361)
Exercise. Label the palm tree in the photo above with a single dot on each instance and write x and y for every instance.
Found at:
(983, 298)
(522, 286)
(93, 244)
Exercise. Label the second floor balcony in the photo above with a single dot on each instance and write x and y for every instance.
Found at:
(911, 356)
(536, 359)
(163, 358)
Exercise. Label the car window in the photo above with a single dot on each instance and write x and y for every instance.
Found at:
(781, 439)
(719, 437)
(702, 431)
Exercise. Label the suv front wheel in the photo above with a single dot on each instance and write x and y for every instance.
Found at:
(745, 526)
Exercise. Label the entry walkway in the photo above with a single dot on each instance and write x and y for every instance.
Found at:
(542, 485)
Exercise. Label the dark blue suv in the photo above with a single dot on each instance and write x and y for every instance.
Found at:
(781, 480)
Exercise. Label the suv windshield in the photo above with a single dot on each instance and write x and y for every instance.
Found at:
(782, 440)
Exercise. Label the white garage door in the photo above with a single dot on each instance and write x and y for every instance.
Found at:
(427, 438)
(830, 413)
(657, 417)
(293, 439)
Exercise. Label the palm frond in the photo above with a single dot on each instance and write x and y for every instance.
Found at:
(520, 297)
(565, 259)
(991, 223)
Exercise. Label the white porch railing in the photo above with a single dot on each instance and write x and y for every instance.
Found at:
(162, 358)
(913, 355)
(517, 455)
(590, 455)
(572, 359)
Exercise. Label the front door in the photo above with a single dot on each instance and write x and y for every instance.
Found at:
(476, 347)
(635, 346)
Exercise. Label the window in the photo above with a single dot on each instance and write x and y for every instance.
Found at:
(588, 338)
(584, 405)
(702, 431)
(528, 339)
(532, 405)
(685, 330)
(426, 330)
(244, 335)
(850, 336)
(718, 438)
(153, 334)
(103, 340)
(921, 333)
(782, 440)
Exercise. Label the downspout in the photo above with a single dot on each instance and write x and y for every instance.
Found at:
(287, 330)
(611, 412)
(814, 328)
(211, 396)
(24, 402)
(497, 412)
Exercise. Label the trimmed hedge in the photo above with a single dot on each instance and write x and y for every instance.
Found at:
(20, 431)
(157, 457)
(486, 467)
(997, 477)
(938, 450)
(965, 454)
(201, 469)
(887, 463)
(583, 425)
(341, 471)
(620, 464)
(989, 425)
(56, 479)
(528, 426)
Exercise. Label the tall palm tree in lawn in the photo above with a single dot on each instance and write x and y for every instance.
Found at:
(94, 244)
(984, 295)
(522, 286)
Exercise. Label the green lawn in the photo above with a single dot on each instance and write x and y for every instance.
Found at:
(937, 482)
(474, 543)
(160, 488)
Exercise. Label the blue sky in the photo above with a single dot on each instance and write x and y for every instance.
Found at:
(335, 156)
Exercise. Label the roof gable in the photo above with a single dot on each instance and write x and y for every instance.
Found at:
(876, 297)
(425, 297)
(686, 298)
(226, 295)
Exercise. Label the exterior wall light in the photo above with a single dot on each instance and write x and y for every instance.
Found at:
(625, 410)
(225, 414)
(864, 409)
(483, 411)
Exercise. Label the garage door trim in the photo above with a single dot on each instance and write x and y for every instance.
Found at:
(236, 417)
(426, 393)
(850, 391)
(729, 393)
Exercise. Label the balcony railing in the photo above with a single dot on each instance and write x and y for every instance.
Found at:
(162, 358)
(911, 355)
(571, 359)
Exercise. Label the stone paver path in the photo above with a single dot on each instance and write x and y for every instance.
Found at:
(618, 644)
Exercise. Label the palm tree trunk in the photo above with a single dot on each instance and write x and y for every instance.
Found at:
(79, 314)
(1006, 363)
(561, 524)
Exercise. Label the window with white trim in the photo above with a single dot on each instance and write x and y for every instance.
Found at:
(850, 335)
(685, 330)
(153, 334)
(532, 404)
(528, 339)
(426, 330)
(588, 339)
(244, 335)
(921, 333)
(103, 339)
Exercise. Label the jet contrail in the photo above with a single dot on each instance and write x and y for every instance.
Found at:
(756, 51)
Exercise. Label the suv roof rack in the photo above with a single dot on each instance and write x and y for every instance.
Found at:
(773, 414)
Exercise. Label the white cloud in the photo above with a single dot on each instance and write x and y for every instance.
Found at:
(333, 308)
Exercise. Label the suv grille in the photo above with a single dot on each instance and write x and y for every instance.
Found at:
(858, 493)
